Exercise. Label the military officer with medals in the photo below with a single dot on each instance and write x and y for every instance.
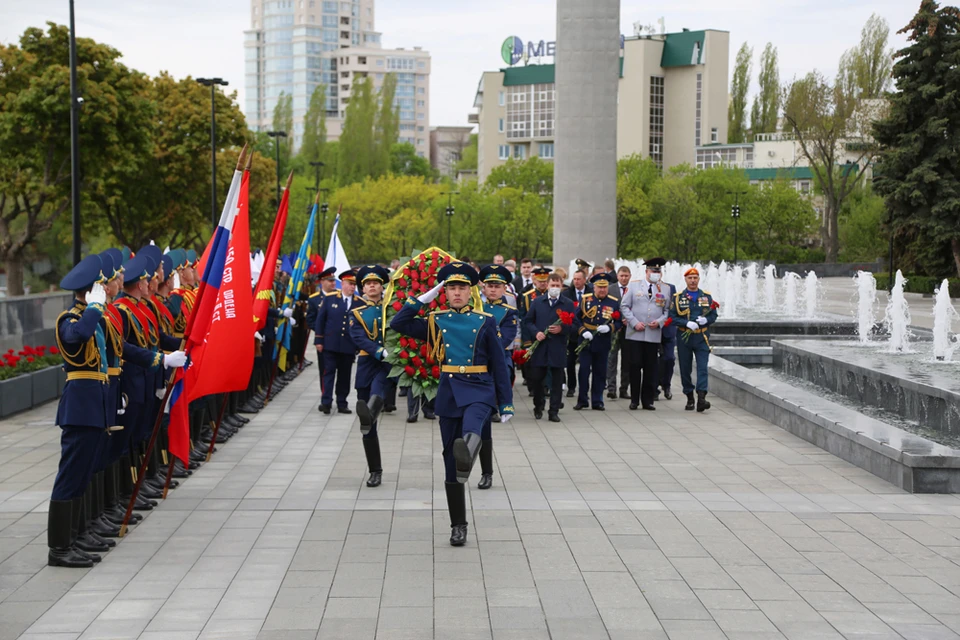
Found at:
(327, 279)
(495, 278)
(693, 312)
(368, 333)
(334, 344)
(474, 379)
(597, 321)
(645, 311)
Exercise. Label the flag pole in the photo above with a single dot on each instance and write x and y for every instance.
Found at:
(166, 395)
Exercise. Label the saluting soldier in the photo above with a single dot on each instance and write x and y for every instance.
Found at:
(368, 331)
(335, 346)
(693, 312)
(327, 279)
(495, 278)
(597, 321)
(474, 380)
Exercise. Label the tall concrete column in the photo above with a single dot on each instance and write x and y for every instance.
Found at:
(585, 168)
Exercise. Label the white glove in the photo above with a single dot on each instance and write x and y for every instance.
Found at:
(504, 418)
(175, 360)
(288, 312)
(604, 328)
(701, 321)
(429, 296)
(123, 404)
(693, 326)
(97, 294)
(258, 336)
(587, 336)
(293, 321)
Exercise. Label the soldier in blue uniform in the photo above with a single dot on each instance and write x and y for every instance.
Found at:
(368, 333)
(693, 311)
(474, 380)
(327, 279)
(495, 278)
(335, 346)
(550, 356)
(596, 324)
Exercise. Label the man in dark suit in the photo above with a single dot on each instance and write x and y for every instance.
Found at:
(334, 344)
(524, 279)
(578, 288)
(551, 354)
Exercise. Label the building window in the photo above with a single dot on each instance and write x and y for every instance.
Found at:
(656, 119)
(698, 120)
(500, 125)
(519, 151)
(714, 135)
(544, 110)
(546, 150)
(419, 141)
(804, 186)
(345, 20)
(420, 129)
(421, 103)
(504, 152)
(344, 87)
(361, 59)
(501, 99)
(312, 3)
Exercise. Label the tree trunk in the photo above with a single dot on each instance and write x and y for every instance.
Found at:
(955, 248)
(14, 265)
(831, 240)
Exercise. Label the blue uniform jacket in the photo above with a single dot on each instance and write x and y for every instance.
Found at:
(368, 334)
(524, 303)
(683, 310)
(83, 347)
(313, 304)
(507, 322)
(594, 312)
(669, 332)
(467, 338)
(332, 322)
(553, 351)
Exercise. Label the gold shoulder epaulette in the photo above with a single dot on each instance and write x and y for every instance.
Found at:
(481, 312)
(335, 292)
(705, 292)
(508, 306)
(613, 297)
(314, 295)
(588, 295)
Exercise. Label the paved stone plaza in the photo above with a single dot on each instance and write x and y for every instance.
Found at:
(609, 525)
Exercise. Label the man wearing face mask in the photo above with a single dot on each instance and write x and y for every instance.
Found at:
(551, 356)
(645, 310)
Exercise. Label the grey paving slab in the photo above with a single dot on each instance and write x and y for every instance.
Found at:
(607, 525)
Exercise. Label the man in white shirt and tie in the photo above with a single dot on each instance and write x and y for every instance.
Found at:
(619, 292)
(525, 279)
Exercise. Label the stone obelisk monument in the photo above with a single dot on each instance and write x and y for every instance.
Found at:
(585, 168)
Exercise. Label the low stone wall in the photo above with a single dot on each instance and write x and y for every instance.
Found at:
(31, 320)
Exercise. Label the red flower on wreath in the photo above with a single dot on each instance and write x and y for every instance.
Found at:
(417, 362)
(410, 371)
(404, 355)
(424, 350)
(435, 372)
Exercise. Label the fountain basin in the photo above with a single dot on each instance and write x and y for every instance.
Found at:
(908, 461)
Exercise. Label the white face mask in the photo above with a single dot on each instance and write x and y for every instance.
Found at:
(553, 292)
(654, 277)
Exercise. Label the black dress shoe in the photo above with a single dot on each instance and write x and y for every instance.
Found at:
(598, 407)
(486, 481)
(634, 406)
(538, 413)
(68, 557)
(429, 415)
(667, 394)
(324, 408)
(412, 419)
(389, 408)
(624, 395)
(649, 407)
(579, 406)
(612, 396)
(554, 417)
(344, 410)
(571, 393)
(85, 542)
(375, 478)
(458, 535)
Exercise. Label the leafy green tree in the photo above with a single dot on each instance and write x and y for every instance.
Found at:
(532, 175)
(357, 142)
(469, 158)
(283, 121)
(920, 135)
(776, 221)
(312, 148)
(404, 161)
(636, 177)
(739, 88)
(865, 69)
(387, 127)
(766, 104)
(35, 133)
(863, 236)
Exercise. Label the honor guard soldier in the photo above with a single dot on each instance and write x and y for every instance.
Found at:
(495, 278)
(693, 312)
(645, 312)
(334, 344)
(550, 356)
(598, 319)
(474, 380)
(327, 279)
(369, 334)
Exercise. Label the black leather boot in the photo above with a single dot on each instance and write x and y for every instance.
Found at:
(87, 546)
(457, 507)
(371, 447)
(690, 402)
(702, 404)
(368, 412)
(60, 537)
(486, 465)
(465, 451)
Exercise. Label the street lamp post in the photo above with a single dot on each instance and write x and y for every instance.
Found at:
(75, 102)
(450, 212)
(735, 213)
(276, 135)
(324, 207)
(317, 166)
(212, 83)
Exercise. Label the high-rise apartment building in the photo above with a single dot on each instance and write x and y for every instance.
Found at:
(296, 45)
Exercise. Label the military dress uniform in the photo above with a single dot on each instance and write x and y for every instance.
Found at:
(525, 300)
(593, 313)
(693, 312)
(474, 382)
(332, 330)
(509, 325)
(550, 357)
(368, 332)
(313, 305)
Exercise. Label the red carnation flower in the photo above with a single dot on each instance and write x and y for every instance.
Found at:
(667, 322)
(402, 283)
(54, 350)
(424, 350)
(435, 372)
(29, 358)
(415, 287)
(404, 355)
(424, 276)
(421, 258)
(409, 370)
(430, 360)
(414, 276)
(433, 304)
(615, 315)
(401, 295)
(406, 271)
(434, 255)
(519, 357)
(397, 305)
(714, 305)
(417, 362)
(423, 373)
(442, 298)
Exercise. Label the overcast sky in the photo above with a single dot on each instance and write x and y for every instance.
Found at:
(205, 37)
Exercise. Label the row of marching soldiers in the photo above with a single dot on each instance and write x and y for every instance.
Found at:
(120, 341)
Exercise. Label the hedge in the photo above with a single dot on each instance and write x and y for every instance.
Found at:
(919, 284)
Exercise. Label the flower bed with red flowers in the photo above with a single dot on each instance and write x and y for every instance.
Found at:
(412, 363)
(29, 359)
